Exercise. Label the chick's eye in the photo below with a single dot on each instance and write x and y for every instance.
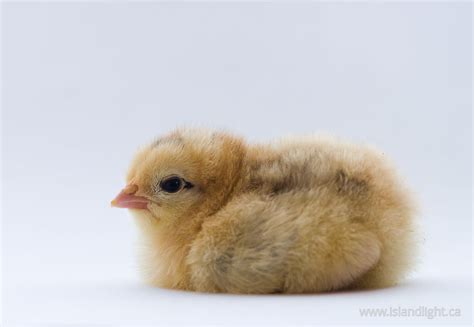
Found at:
(171, 185)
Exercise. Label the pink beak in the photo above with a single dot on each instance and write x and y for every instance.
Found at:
(127, 199)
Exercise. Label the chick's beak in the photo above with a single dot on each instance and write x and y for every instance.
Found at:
(127, 199)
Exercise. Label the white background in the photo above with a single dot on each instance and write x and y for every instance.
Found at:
(85, 84)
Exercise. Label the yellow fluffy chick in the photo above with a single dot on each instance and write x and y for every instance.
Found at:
(301, 215)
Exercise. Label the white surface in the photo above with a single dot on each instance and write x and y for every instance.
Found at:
(85, 84)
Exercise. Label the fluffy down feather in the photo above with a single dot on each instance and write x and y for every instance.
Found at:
(301, 215)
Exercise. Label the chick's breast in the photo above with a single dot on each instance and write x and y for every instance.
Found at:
(308, 215)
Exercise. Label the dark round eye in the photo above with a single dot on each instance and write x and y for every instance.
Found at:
(171, 184)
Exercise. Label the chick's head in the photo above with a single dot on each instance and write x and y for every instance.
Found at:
(182, 175)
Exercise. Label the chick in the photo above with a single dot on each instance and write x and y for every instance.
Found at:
(301, 215)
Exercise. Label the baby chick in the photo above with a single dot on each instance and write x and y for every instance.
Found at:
(301, 215)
